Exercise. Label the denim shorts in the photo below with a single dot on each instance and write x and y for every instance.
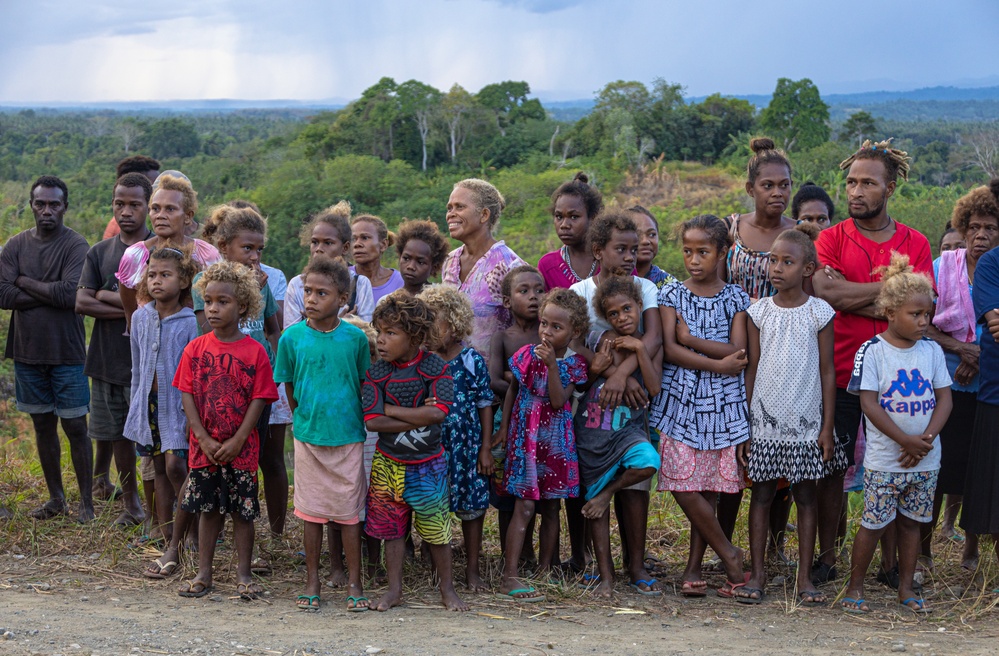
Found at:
(47, 388)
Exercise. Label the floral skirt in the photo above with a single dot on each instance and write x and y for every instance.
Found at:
(686, 469)
(222, 489)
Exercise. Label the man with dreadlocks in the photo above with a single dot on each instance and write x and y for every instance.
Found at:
(853, 252)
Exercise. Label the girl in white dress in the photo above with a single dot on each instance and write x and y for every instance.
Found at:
(792, 391)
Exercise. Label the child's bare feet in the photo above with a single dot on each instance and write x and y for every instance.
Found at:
(451, 599)
(86, 513)
(105, 490)
(604, 589)
(474, 583)
(597, 506)
(390, 599)
(338, 578)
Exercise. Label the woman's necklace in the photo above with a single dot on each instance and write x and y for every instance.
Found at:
(884, 227)
(309, 323)
(568, 262)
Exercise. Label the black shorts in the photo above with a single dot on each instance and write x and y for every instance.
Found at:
(847, 422)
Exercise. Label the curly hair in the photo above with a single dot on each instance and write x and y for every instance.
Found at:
(626, 286)
(803, 235)
(572, 303)
(603, 227)
(899, 283)
(896, 161)
(715, 228)
(808, 192)
(244, 283)
(580, 187)
(765, 152)
(227, 221)
(506, 287)
(486, 196)
(333, 269)
(167, 182)
(452, 307)
(429, 234)
(52, 182)
(411, 314)
(132, 180)
(369, 332)
(136, 164)
(187, 267)
(384, 234)
(337, 216)
(979, 201)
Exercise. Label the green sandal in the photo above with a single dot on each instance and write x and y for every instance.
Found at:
(355, 608)
(311, 607)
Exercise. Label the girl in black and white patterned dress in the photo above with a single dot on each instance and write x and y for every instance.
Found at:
(789, 381)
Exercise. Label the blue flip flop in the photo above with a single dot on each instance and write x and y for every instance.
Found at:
(648, 583)
(588, 581)
(853, 606)
(920, 608)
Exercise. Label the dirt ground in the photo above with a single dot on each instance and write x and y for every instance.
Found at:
(84, 605)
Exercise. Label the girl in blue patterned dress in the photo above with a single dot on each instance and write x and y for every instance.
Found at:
(467, 431)
(701, 411)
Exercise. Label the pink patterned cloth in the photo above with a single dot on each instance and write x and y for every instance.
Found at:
(483, 288)
(556, 272)
(686, 469)
(955, 313)
(133, 262)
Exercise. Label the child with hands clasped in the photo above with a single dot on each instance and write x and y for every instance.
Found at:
(406, 396)
(701, 411)
(613, 443)
(322, 361)
(541, 464)
(226, 380)
(467, 430)
(790, 349)
(161, 327)
(904, 387)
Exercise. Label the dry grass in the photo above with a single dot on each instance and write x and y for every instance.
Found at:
(62, 551)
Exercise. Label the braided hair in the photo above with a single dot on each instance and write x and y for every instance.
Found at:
(896, 161)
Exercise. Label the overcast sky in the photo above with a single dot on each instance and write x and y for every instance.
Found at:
(100, 50)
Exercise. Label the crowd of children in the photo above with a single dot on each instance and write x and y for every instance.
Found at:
(599, 375)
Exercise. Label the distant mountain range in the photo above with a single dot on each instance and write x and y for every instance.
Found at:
(926, 104)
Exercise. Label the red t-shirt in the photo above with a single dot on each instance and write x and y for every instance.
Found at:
(224, 377)
(846, 249)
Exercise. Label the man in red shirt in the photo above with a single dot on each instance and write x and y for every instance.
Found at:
(853, 253)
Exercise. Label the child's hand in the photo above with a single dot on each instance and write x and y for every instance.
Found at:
(826, 444)
(261, 275)
(431, 400)
(628, 343)
(209, 447)
(914, 449)
(486, 464)
(682, 330)
(612, 392)
(499, 437)
(545, 353)
(228, 451)
(602, 358)
(732, 365)
(635, 396)
(742, 453)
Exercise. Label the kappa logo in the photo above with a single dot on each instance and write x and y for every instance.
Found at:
(908, 384)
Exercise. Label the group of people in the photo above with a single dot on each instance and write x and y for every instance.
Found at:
(798, 357)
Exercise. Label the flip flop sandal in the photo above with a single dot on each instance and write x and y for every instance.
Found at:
(728, 590)
(747, 599)
(688, 589)
(816, 598)
(260, 567)
(311, 607)
(588, 581)
(512, 595)
(195, 589)
(355, 601)
(648, 583)
(854, 606)
(248, 591)
(920, 608)
(162, 571)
